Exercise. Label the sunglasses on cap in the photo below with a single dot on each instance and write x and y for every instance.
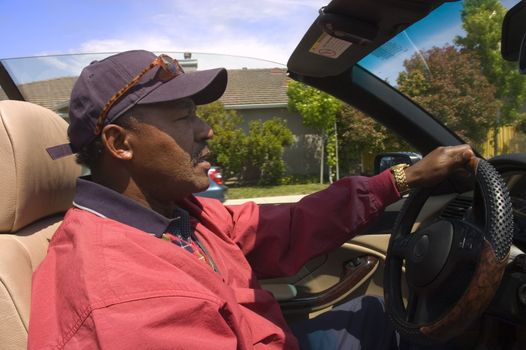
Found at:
(169, 69)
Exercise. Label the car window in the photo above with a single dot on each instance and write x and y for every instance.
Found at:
(258, 96)
(47, 80)
(449, 63)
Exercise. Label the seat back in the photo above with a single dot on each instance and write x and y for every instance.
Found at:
(35, 192)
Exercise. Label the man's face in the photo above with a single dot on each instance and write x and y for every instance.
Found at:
(170, 149)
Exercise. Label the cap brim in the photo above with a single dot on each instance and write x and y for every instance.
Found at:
(201, 86)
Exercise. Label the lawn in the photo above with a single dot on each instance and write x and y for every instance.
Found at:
(268, 191)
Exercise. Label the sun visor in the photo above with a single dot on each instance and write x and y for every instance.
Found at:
(346, 31)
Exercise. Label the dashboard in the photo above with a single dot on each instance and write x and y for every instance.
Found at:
(513, 170)
(517, 186)
(509, 303)
(503, 325)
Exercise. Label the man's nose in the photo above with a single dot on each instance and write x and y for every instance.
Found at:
(210, 133)
(204, 131)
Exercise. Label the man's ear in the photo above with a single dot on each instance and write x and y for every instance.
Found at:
(116, 140)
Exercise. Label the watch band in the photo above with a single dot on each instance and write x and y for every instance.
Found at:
(400, 179)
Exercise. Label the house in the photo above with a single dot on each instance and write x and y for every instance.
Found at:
(252, 93)
(262, 94)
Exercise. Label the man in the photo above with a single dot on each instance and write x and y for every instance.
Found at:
(139, 263)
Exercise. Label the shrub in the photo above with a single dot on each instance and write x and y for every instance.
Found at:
(265, 145)
(229, 143)
(256, 158)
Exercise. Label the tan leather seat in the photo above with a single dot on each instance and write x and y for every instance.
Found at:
(35, 192)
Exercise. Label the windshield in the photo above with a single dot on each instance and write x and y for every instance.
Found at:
(48, 80)
(449, 63)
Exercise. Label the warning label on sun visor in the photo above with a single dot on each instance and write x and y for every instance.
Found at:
(329, 46)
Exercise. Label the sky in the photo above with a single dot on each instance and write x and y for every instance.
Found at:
(267, 29)
(438, 29)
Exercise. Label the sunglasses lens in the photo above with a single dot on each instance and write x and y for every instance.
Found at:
(170, 66)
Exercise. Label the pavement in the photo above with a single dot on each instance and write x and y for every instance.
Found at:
(266, 200)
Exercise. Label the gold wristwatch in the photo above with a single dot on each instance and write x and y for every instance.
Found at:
(400, 179)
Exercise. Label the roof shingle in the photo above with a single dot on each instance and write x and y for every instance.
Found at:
(256, 86)
(245, 87)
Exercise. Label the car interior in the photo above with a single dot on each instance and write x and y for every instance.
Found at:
(359, 27)
(37, 191)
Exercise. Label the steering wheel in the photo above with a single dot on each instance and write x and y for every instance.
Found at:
(453, 266)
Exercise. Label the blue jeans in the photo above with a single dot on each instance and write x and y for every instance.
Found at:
(360, 324)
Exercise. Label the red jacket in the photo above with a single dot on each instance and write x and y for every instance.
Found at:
(107, 284)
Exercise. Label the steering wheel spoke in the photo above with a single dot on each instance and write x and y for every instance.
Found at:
(468, 242)
(400, 246)
(418, 308)
(415, 303)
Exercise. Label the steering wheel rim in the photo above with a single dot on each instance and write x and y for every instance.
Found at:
(455, 245)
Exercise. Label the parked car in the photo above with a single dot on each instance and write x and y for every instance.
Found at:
(217, 188)
(449, 261)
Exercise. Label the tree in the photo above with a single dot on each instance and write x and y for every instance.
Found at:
(229, 144)
(450, 85)
(265, 144)
(256, 157)
(318, 110)
(482, 21)
(358, 134)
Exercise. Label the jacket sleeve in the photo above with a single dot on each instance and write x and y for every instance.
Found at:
(278, 239)
(157, 323)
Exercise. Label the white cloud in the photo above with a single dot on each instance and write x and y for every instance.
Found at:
(268, 29)
(50, 66)
(151, 43)
(247, 47)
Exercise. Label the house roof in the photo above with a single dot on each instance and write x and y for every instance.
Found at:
(245, 87)
(256, 86)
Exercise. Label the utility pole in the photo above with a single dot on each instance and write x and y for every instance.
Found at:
(322, 144)
(336, 151)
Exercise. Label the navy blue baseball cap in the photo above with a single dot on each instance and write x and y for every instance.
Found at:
(102, 80)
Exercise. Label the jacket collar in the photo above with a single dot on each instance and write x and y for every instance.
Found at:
(107, 203)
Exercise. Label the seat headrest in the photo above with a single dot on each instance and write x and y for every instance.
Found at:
(32, 185)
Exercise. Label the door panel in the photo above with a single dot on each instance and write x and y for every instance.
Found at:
(354, 269)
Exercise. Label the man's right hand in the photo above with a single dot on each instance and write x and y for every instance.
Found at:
(436, 166)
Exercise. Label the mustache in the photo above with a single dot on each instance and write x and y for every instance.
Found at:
(200, 153)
